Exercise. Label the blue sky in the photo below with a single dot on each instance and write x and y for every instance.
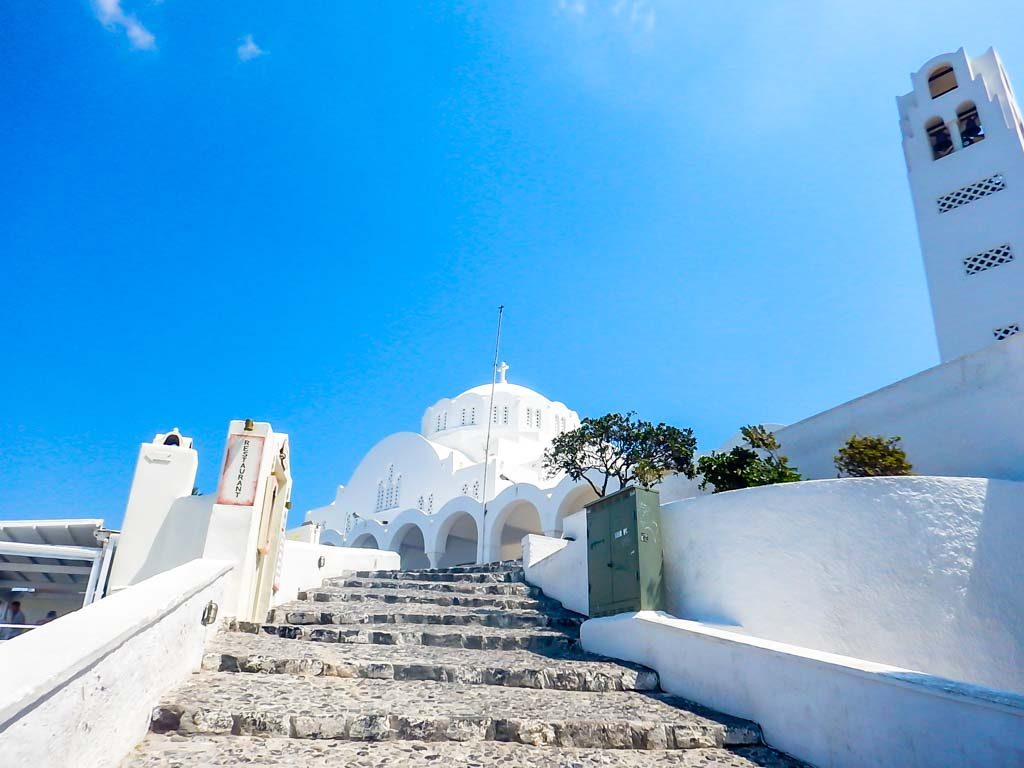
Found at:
(308, 213)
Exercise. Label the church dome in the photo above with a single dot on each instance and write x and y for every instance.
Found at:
(517, 413)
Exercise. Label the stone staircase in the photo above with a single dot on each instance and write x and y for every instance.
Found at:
(465, 666)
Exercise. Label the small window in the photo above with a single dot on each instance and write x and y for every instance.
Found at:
(941, 80)
(438, 423)
(504, 416)
(969, 124)
(529, 417)
(476, 490)
(494, 416)
(939, 139)
(472, 415)
(463, 417)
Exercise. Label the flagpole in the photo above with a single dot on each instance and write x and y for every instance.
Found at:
(490, 420)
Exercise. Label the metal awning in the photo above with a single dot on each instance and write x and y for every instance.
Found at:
(49, 555)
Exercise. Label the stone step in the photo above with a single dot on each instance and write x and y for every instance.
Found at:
(238, 652)
(380, 613)
(510, 588)
(471, 638)
(402, 596)
(204, 751)
(503, 565)
(385, 710)
(485, 577)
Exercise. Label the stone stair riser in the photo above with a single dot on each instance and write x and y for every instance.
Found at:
(362, 634)
(510, 588)
(499, 620)
(384, 726)
(442, 599)
(496, 577)
(627, 680)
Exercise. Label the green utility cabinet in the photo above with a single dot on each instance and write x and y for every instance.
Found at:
(624, 553)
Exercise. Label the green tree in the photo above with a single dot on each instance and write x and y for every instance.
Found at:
(621, 447)
(757, 463)
(872, 456)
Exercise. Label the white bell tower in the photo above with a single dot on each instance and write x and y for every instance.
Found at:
(963, 139)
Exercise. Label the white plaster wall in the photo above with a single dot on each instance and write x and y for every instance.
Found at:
(83, 687)
(918, 572)
(559, 566)
(964, 418)
(300, 569)
(829, 710)
(151, 535)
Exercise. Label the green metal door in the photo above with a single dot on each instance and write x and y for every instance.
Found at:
(599, 556)
(625, 567)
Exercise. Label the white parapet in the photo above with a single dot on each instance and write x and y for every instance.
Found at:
(79, 691)
(305, 566)
(827, 709)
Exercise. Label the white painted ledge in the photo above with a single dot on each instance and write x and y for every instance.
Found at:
(827, 709)
(301, 569)
(85, 685)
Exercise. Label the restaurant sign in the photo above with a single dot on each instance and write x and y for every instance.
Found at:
(240, 475)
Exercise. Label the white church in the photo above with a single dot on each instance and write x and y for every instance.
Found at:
(437, 497)
(422, 494)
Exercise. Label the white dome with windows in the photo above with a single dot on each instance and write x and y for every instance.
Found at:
(470, 449)
(515, 415)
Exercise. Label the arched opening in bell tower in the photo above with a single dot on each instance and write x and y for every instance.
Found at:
(969, 123)
(942, 80)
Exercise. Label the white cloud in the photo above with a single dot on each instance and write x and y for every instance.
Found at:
(110, 14)
(248, 50)
(573, 7)
(640, 13)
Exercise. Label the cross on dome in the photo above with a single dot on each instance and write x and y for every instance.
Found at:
(502, 370)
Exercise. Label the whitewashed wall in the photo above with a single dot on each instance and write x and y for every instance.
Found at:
(827, 709)
(964, 418)
(559, 566)
(918, 572)
(83, 688)
(301, 570)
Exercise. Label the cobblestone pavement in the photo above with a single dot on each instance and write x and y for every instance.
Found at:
(215, 752)
(469, 666)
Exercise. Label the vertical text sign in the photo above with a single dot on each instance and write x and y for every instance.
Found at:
(240, 475)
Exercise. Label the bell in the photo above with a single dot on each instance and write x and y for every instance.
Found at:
(971, 128)
(941, 143)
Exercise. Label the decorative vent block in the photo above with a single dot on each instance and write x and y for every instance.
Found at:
(993, 257)
(972, 192)
(1006, 331)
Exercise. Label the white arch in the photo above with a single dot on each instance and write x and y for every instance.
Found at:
(410, 543)
(458, 540)
(447, 516)
(363, 540)
(519, 507)
(397, 528)
(568, 498)
(363, 527)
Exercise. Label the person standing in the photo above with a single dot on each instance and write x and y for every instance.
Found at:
(13, 615)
